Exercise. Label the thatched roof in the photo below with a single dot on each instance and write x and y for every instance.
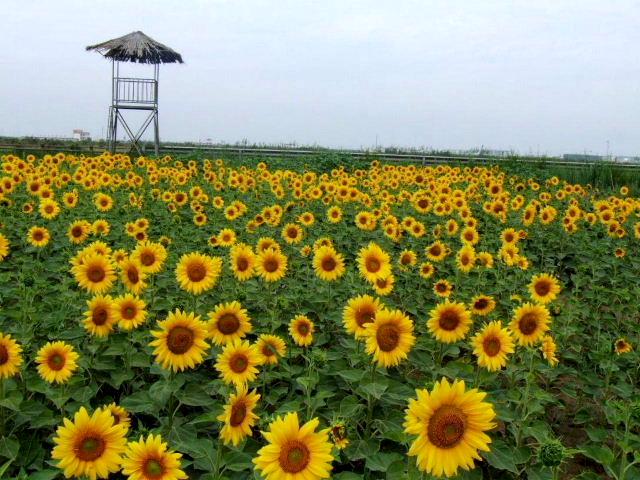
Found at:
(137, 47)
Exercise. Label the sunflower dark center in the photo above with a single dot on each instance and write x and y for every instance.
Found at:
(56, 361)
(96, 274)
(76, 231)
(365, 315)
(329, 264)
(180, 340)
(446, 426)
(481, 304)
(528, 323)
(491, 346)
(4, 355)
(38, 235)
(449, 320)
(542, 287)
(100, 316)
(373, 265)
(128, 311)
(90, 448)
(239, 363)
(196, 272)
(406, 260)
(268, 350)
(147, 259)
(435, 250)
(294, 456)
(441, 287)
(242, 264)
(238, 414)
(303, 328)
(132, 275)
(292, 233)
(153, 468)
(387, 337)
(271, 265)
(228, 323)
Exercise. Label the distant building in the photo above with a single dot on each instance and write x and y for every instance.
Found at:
(582, 157)
(79, 134)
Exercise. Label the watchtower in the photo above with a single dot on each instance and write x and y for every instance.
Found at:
(129, 93)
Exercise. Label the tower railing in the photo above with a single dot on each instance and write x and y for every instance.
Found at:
(142, 91)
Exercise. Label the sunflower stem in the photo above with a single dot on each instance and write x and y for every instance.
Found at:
(2, 381)
(218, 458)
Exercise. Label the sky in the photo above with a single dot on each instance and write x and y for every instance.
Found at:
(546, 77)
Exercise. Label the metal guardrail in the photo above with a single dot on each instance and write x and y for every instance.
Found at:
(425, 159)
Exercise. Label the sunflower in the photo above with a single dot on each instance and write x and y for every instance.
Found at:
(237, 363)
(294, 452)
(79, 231)
(544, 288)
(243, 261)
(449, 423)
(449, 321)
(374, 262)
(482, 305)
(4, 247)
(38, 236)
(150, 256)
(466, 259)
(228, 322)
(10, 357)
(132, 275)
(95, 274)
(226, 237)
(270, 348)
(389, 337)
(89, 446)
(198, 273)
(358, 312)
(150, 459)
(622, 346)
(530, 322)
(181, 341)
(407, 258)
(271, 265)
(339, 436)
(443, 288)
(384, 286)
(427, 270)
(301, 329)
(49, 209)
(492, 345)
(100, 227)
(238, 416)
(549, 349)
(334, 214)
(292, 233)
(437, 251)
(57, 362)
(100, 318)
(129, 311)
(328, 264)
(119, 414)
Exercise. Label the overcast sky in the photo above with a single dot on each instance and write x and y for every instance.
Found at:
(549, 76)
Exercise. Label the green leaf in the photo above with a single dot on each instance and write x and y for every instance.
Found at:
(138, 402)
(379, 462)
(501, 457)
(373, 389)
(194, 396)
(9, 447)
(600, 453)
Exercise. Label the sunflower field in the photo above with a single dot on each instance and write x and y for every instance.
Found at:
(163, 319)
